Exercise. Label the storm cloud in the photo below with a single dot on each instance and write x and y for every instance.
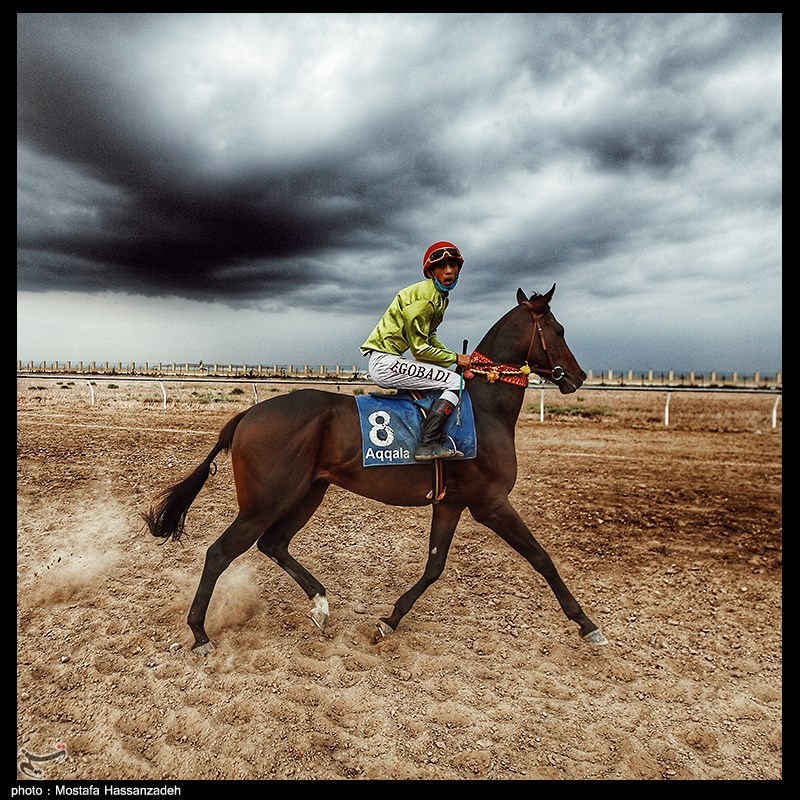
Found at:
(273, 163)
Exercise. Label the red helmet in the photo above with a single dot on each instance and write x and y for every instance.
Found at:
(438, 251)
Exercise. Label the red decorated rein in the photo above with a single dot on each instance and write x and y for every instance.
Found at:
(481, 365)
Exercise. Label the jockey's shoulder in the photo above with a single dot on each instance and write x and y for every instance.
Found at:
(425, 291)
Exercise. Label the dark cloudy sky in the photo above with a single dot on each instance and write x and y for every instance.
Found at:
(254, 188)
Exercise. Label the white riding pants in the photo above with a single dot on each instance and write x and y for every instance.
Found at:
(395, 372)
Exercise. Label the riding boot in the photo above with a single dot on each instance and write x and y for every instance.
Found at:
(432, 435)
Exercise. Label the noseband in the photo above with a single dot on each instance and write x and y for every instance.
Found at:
(481, 365)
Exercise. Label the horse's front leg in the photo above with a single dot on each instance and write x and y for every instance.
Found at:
(501, 517)
(443, 526)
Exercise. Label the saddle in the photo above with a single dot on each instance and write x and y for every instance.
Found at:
(391, 424)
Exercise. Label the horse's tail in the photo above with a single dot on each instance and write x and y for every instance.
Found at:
(167, 517)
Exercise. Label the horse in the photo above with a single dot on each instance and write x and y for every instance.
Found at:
(286, 451)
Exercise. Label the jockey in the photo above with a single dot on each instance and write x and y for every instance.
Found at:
(410, 323)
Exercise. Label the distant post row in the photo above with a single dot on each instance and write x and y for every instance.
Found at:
(339, 372)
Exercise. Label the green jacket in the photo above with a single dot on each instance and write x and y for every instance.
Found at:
(410, 323)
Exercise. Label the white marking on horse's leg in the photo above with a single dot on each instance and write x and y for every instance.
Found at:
(321, 603)
(321, 612)
(433, 551)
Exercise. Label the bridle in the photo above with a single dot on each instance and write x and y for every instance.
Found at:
(555, 372)
(482, 365)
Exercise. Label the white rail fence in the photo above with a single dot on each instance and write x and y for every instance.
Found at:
(542, 388)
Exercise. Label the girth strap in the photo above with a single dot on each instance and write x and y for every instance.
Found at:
(439, 489)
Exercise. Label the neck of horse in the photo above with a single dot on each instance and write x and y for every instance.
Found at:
(506, 342)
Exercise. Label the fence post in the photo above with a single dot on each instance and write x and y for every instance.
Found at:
(541, 406)
(775, 412)
(666, 411)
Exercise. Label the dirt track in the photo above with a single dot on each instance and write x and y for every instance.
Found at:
(670, 539)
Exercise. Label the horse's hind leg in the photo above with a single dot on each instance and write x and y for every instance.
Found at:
(274, 543)
(508, 525)
(239, 536)
(443, 526)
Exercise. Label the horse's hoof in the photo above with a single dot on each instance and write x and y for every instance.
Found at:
(203, 649)
(382, 630)
(320, 615)
(320, 619)
(595, 637)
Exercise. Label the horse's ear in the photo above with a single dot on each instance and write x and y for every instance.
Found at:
(541, 299)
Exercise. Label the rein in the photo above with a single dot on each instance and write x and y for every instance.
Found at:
(481, 365)
(518, 376)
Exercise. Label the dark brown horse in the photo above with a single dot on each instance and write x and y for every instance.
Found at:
(286, 451)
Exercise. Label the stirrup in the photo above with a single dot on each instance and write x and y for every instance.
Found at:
(434, 450)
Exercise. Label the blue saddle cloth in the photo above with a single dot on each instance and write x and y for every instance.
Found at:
(391, 425)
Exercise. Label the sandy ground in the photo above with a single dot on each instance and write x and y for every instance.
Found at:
(669, 537)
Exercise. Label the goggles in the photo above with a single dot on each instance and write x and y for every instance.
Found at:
(442, 253)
